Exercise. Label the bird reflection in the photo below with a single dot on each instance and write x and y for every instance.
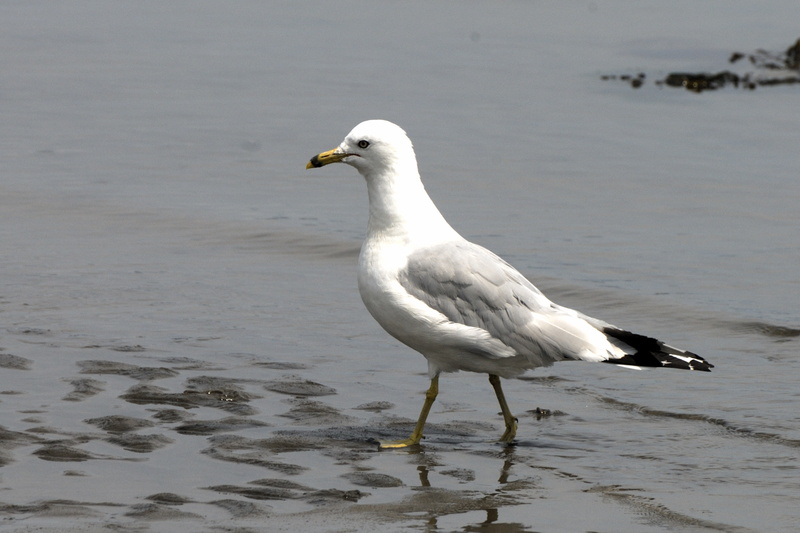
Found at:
(428, 463)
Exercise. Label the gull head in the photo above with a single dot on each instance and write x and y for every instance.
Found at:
(373, 147)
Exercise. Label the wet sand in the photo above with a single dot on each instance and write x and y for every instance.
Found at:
(277, 451)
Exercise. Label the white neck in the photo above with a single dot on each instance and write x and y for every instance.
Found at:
(400, 208)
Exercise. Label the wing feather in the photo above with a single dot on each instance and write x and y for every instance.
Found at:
(472, 286)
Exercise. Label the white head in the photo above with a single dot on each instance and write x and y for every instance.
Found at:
(372, 147)
(398, 204)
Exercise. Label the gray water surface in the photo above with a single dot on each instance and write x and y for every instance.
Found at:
(183, 345)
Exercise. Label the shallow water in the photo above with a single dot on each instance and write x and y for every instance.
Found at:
(183, 344)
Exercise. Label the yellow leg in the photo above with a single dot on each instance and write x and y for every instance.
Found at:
(416, 435)
(511, 422)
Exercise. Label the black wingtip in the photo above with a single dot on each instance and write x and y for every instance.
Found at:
(650, 352)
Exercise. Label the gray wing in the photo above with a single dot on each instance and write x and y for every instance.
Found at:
(470, 285)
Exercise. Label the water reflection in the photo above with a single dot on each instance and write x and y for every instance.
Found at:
(480, 504)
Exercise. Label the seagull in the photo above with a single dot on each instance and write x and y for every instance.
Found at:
(458, 304)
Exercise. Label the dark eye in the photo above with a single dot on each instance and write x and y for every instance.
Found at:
(363, 144)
